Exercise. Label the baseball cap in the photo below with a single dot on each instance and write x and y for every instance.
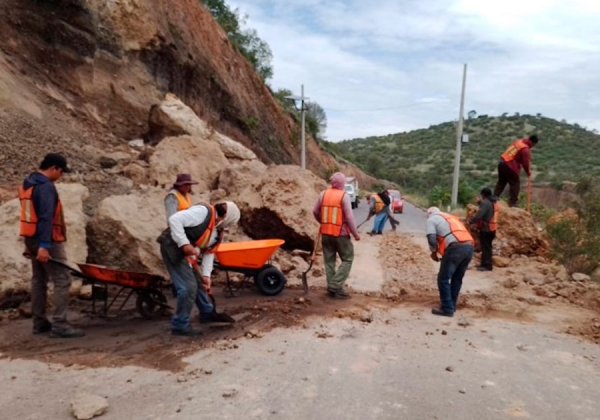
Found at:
(55, 159)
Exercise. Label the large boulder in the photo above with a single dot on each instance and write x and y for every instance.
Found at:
(15, 271)
(123, 232)
(517, 233)
(201, 158)
(173, 118)
(276, 202)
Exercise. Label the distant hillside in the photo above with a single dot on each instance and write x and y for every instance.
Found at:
(423, 159)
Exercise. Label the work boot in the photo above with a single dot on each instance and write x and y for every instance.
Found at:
(67, 332)
(187, 332)
(340, 294)
(439, 312)
(42, 327)
(216, 317)
(482, 268)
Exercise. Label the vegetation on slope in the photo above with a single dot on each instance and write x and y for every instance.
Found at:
(422, 161)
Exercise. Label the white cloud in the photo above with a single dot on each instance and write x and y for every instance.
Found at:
(389, 66)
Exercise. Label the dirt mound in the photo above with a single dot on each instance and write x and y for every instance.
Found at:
(275, 202)
(409, 272)
(517, 233)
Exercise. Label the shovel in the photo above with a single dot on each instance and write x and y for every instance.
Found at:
(193, 261)
(312, 260)
(358, 227)
(528, 194)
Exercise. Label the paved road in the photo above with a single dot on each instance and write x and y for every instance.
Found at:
(405, 364)
(412, 220)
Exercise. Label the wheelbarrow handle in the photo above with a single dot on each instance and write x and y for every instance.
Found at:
(73, 270)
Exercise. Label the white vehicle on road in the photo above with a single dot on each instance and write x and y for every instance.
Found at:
(352, 193)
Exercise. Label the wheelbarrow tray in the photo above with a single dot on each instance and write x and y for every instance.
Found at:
(150, 302)
(251, 259)
(131, 279)
(247, 254)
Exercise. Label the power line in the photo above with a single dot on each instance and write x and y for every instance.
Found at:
(414, 104)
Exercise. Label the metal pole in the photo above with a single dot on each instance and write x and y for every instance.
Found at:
(303, 156)
(459, 129)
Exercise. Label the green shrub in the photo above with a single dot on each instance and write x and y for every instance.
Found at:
(576, 240)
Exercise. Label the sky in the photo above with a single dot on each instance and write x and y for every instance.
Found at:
(388, 66)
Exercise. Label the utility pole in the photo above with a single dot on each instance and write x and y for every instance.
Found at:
(459, 130)
(302, 99)
(303, 155)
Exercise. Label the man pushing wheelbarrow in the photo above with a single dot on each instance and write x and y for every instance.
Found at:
(196, 230)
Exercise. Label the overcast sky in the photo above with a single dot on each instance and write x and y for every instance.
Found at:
(386, 66)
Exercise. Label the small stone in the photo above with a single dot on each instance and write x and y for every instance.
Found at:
(229, 393)
(367, 317)
(463, 391)
(181, 379)
(86, 291)
(450, 369)
(498, 261)
(87, 406)
(107, 162)
(301, 300)
(580, 277)
(444, 332)
(208, 372)
(137, 143)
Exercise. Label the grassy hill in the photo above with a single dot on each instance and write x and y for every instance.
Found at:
(422, 161)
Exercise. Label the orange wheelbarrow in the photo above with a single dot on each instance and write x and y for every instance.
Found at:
(151, 302)
(251, 258)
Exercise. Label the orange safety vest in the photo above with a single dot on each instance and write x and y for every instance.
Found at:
(513, 150)
(184, 201)
(493, 223)
(331, 212)
(204, 239)
(457, 229)
(29, 219)
(379, 204)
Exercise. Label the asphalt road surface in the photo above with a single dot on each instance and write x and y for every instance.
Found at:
(412, 219)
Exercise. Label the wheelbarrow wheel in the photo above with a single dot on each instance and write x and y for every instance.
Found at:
(270, 281)
(151, 304)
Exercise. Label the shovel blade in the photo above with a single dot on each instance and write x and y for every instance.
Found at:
(305, 283)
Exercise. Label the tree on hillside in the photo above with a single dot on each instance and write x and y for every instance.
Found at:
(247, 41)
(472, 114)
(316, 119)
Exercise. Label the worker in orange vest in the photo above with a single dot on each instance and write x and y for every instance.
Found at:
(486, 221)
(192, 233)
(178, 198)
(516, 156)
(448, 237)
(333, 210)
(42, 224)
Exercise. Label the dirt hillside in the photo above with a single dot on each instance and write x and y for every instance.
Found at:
(80, 76)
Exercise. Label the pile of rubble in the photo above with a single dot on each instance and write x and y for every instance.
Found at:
(275, 201)
(517, 234)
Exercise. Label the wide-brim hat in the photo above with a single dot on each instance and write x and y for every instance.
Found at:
(184, 179)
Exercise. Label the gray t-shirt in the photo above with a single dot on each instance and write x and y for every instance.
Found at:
(438, 226)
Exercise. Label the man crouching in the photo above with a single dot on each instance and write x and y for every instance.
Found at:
(196, 230)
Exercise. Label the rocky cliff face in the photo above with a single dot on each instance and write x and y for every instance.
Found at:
(97, 67)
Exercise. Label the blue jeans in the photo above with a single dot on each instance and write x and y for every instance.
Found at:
(452, 270)
(379, 222)
(188, 293)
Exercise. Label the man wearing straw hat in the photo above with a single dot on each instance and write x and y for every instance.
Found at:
(178, 198)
